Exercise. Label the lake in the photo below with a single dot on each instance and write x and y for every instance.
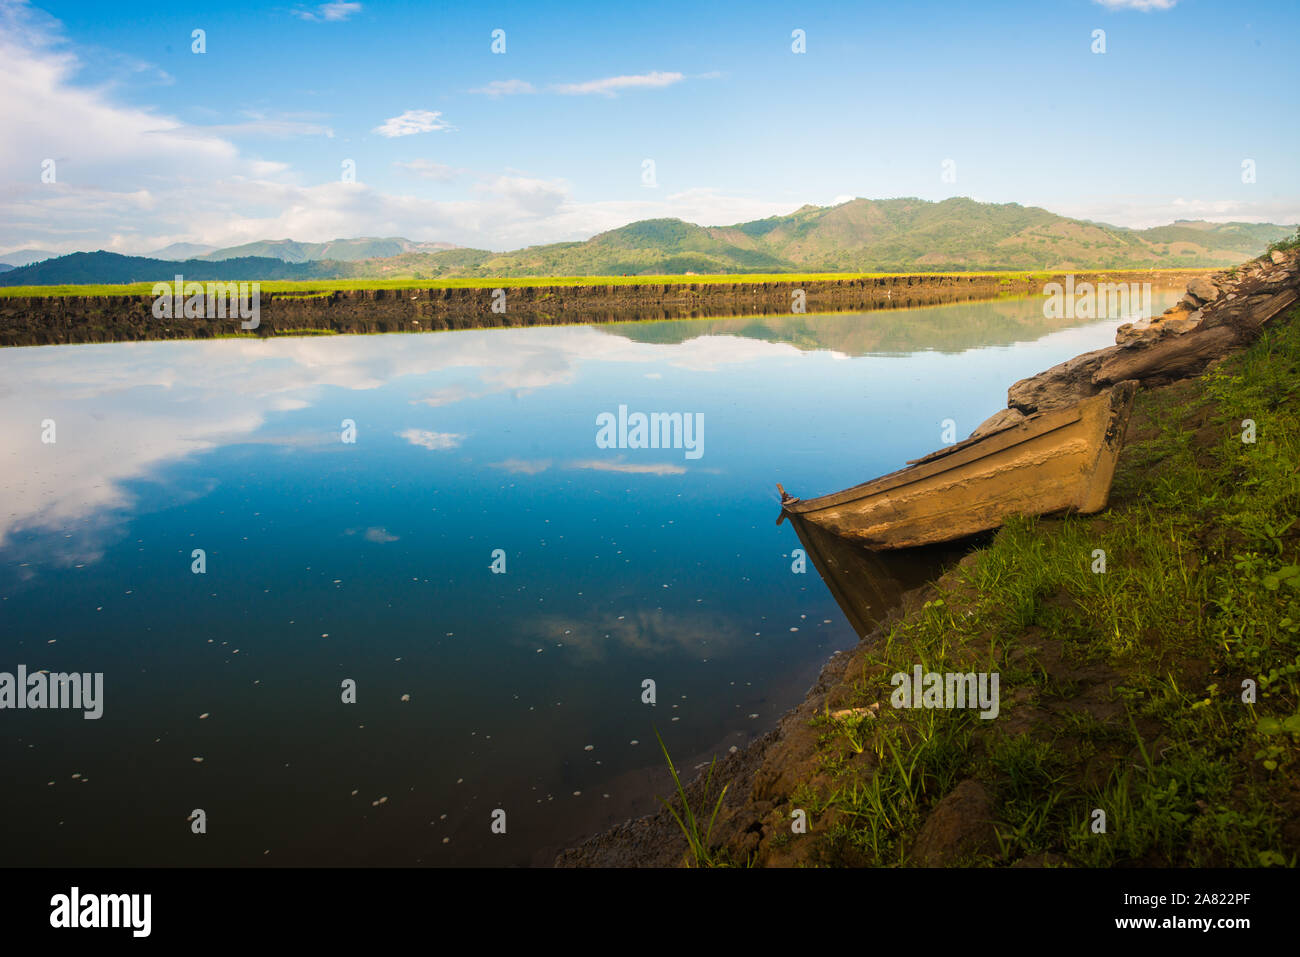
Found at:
(430, 520)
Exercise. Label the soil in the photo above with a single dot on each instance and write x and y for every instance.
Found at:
(761, 779)
(47, 320)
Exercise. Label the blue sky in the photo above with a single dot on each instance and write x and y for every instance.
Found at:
(155, 144)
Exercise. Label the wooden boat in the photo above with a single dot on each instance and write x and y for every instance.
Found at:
(1048, 462)
(864, 583)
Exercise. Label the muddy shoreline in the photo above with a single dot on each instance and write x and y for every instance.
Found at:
(50, 320)
(1221, 314)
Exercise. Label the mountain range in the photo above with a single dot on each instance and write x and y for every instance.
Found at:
(862, 235)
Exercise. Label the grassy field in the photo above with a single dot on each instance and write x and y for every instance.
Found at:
(318, 286)
(1123, 690)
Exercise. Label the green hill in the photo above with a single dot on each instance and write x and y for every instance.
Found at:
(104, 268)
(342, 250)
(892, 235)
(863, 235)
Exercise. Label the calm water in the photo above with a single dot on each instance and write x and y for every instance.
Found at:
(371, 560)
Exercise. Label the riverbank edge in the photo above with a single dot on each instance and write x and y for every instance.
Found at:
(69, 319)
(795, 765)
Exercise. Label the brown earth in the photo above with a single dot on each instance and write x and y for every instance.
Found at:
(46, 320)
(753, 826)
(761, 779)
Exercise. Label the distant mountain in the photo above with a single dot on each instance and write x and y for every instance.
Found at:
(181, 251)
(864, 235)
(23, 257)
(891, 235)
(341, 250)
(5, 267)
(104, 268)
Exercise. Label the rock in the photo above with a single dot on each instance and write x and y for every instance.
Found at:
(1277, 256)
(1165, 357)
(1250, 314)
(997, 422)
(1172, 324)
(1178, 327)
(1131, 331)
(1203, 289)
(1059, 386)
(959, 826)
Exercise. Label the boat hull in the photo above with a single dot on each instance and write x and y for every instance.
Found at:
(1050, 462)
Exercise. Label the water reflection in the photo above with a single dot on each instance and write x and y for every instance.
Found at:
(370, 561)
(867, 584)
(950, 328)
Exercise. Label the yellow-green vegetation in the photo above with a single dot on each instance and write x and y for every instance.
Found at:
(310, 288)
(1126, 690)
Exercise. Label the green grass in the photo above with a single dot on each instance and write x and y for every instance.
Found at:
(1121, 691)
(1286, 245)
(698, 834)
(312, 287)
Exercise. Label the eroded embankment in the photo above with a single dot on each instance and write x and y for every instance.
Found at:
(1148, 656)
(66, 319)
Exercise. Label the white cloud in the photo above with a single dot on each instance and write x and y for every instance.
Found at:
(428, 169)
(447, 395)
(132, 180)
(276, 125)
(411, 122)
(535, 197)
(597, 465)
(1142, 212)
(434, 441)
(169, 401)
(335, 12)
(606, 86)
(609, 86)
(1143, 5)
(505, 88)
(523, 466)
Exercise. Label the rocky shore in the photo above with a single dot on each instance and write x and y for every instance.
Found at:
(794, 766)
(45, 320)
(1219, 313)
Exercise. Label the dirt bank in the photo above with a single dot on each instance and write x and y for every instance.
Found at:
(1121, 689)
(66, 319)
